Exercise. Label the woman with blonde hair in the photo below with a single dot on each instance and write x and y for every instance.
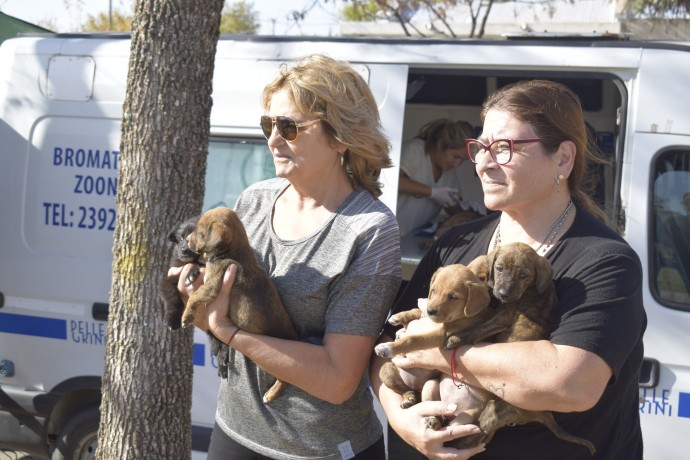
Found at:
(332, 250)
(429, 176)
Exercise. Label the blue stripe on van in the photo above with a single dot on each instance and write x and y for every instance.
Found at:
(53, 328)
(38, 326)
(684, 405)
(199, 354)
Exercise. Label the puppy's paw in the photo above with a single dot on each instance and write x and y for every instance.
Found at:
(192, 276)
(434, 423)
(454, 341)
(409, 399)
(187, 320)
(396, 320)
(384, 350)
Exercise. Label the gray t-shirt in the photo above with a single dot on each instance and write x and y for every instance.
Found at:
(341, 279)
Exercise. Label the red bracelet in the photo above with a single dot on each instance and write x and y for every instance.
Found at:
(453, 370)
(232, 336)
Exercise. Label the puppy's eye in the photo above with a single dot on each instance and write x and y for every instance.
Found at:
(498, 268)
(452, 297)
(524, 274)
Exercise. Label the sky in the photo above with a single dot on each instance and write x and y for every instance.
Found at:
(274, 15)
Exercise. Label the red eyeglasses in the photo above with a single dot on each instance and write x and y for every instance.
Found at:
(501, 150)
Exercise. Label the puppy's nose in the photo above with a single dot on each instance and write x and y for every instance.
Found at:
(431, 311)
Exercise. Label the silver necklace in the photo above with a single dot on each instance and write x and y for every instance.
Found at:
(550, 234)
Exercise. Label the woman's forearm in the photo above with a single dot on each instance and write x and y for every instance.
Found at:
(535, 375)
(330, 372)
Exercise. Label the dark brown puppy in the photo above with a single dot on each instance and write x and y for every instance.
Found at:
(522, 282)
(254, 302)
(181, 255)
(457, 300)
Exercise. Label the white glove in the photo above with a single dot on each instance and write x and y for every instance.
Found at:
(445, 196)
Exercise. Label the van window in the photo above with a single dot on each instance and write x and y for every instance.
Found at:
(233, 165)
(671, 220)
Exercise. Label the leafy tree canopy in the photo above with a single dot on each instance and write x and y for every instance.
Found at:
(660, 9)
(238, 18)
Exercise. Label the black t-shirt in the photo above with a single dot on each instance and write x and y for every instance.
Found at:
(598, 280)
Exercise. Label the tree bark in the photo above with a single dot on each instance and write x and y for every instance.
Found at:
(147, 380)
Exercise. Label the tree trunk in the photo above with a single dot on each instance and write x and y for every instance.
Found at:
(147, 381)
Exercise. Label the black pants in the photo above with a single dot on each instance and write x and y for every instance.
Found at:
(222, 447)
(400, 450)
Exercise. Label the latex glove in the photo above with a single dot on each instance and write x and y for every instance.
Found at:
(445, 196)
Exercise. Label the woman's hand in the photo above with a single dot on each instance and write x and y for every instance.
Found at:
(411, 426)
(431, 358)
(216, 318)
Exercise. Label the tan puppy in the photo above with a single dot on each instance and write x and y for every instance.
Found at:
(254, 302)
(457, 300)
(456, 297)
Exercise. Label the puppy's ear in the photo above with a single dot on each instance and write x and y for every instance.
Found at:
(480, 267)
(433, 278)
(477, 298)
(217, 233)
(544, 273)
(490, 260)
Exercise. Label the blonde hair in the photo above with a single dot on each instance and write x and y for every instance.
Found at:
(555, 113)
(445, 134)
(336, 94)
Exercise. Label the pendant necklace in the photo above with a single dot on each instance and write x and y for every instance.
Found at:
(550, 234)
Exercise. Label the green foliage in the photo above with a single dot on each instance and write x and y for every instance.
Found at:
(660, 9)
(102, 23)
(358, 11)
(240, 18)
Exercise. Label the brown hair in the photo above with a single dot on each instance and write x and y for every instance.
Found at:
(336, 94)
(555, 113)
(445, 134)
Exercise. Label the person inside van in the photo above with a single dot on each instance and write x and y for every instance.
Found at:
(332, 248)
(531, 159)
(429, 176)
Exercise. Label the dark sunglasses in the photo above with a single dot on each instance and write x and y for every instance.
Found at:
(287, 127)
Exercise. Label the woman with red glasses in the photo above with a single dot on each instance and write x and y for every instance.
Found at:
(333, 251)
(532, 161)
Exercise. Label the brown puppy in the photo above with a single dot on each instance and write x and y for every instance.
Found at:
(254, 302)
(181, 255)
(522, 282)
(457, 300)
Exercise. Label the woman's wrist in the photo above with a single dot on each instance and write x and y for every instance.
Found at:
(232, 336)
(225, 334)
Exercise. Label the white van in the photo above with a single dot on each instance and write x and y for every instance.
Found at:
(60, 109)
